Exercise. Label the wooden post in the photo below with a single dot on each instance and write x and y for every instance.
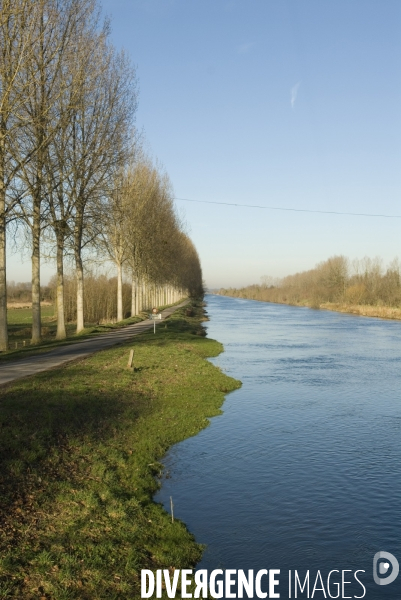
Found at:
(131, 360)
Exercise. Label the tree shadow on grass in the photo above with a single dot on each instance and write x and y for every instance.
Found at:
(70, 511)
(76, 479)
(36, 418)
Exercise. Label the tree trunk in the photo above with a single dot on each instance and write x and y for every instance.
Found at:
(3, 281)
(79, 271)
(139, 296)
(3, 278)
(133, 296)
(61, 332)
(144, 305)
(145, 295)
(119, 292)
(36, 320)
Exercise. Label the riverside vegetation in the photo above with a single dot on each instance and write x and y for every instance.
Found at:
(362, 287)
(80, 449)
(76, 186)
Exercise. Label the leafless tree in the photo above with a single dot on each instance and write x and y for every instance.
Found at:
(102, 138)
(56, 29)
(69, 166)
(91, 143)
(18, 37)
(162, 260)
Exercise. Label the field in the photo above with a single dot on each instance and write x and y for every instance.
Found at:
(20, 324)
(23, 316)
(79, 452)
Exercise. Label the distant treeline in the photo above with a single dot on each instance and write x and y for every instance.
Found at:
(336, 280)
(22, 292)
(100, 299)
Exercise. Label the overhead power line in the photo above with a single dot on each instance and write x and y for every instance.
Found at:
(305, 210)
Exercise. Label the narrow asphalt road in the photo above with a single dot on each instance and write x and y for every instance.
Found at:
(11, 371)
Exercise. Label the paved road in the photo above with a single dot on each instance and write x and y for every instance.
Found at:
(10, 371)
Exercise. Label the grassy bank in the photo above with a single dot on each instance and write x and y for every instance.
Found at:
(363, 310)
(382, 312)
(79, 452)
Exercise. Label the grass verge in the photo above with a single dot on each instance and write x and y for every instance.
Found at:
(79, 452)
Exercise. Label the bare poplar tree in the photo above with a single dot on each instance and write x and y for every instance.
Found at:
(142, 188)
(153, 235)
(113, 231)
(56, 32)
(17, 36)
(71, 174)
(101, 146)
(67, 106)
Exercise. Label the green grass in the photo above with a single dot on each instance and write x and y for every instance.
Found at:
(79, 453)
(20, 331)
(23, 316)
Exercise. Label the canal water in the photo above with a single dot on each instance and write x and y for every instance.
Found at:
(302, 471)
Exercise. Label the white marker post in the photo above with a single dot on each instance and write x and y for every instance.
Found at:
(155, 315)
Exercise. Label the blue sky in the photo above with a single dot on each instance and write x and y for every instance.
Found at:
(278, 103)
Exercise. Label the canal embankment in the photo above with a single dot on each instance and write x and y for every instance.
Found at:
(80, 451)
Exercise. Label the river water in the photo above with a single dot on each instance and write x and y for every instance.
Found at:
(302, 471)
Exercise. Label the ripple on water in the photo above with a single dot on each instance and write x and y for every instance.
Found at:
(302, 471)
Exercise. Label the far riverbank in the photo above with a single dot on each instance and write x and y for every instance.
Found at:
(363, 310)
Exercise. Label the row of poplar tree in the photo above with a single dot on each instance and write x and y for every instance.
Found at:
(73, 181)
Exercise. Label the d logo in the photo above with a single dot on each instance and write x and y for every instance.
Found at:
(384, 567)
